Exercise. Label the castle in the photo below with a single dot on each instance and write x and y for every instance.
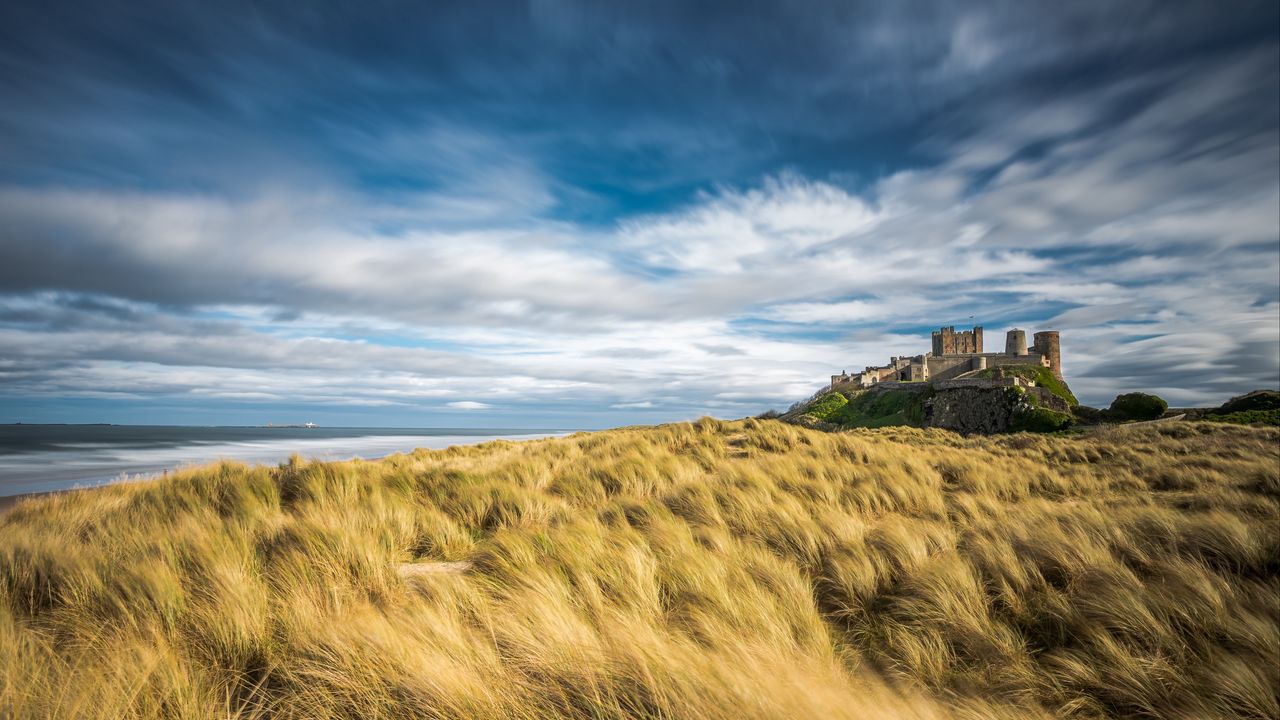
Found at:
(958, 353)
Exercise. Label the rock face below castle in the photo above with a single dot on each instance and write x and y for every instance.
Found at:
(970, 409)
(956, 354)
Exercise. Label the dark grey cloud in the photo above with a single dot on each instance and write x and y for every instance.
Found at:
(607, 95)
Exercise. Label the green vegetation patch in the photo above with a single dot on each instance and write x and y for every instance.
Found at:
(825, 406)
(1089, 415)
(1038, 374)
(1246, 417)
(1137, 406)
(1038, 419)
(882, 408)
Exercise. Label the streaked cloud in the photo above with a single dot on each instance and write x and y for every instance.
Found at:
(338, 217)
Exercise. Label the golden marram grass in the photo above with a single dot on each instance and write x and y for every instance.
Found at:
(743, 569)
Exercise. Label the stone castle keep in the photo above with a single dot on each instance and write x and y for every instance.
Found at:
(956, 354)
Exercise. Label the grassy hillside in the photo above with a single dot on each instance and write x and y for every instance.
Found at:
(1260, 407)
(1040, 375)
(1247, 417)
(879, 408)
(709, 570)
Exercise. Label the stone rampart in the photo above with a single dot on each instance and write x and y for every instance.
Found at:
(901, 385)
(982, 383)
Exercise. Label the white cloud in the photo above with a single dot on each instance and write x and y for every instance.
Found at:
(468, 405)
(732, 231)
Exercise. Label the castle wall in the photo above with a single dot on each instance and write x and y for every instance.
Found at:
(903, 385)
(870, 376)
(884, 373)
(982, 383)
(1030, 358)
(948, 366)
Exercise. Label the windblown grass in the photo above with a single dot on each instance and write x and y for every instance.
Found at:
(707, 570)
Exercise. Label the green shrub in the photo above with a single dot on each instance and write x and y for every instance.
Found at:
(824, 406)
(1038, 419)
(1086, 414)
(881, 408)
(1138, 406)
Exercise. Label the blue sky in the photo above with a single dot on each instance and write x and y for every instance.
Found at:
(562, 214)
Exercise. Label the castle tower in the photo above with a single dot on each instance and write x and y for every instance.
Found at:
(946, 341)
(1047, 346)
(942, 338)
(1015, 343)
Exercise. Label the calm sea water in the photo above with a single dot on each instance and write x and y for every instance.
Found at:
(40, 458)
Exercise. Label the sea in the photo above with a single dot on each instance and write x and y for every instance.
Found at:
(45, 458)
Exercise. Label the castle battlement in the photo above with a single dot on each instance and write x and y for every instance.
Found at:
(946, 341)
(957, 353)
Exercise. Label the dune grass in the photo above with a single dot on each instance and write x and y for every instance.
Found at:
(748, 569)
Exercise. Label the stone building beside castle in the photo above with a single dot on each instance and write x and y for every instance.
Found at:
(956, 354)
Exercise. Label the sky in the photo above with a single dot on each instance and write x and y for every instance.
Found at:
(561, 214)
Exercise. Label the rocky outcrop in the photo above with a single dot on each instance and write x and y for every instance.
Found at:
(986, 410)
(975, 409)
